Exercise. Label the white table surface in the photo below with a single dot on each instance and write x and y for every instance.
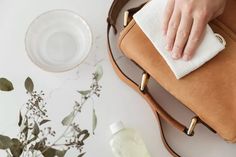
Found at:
(117, 101)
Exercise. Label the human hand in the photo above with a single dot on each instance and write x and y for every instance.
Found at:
(185, 22)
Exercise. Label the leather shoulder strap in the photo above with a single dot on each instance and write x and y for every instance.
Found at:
(115, 9)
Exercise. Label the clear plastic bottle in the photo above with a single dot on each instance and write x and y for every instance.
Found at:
(126, 142)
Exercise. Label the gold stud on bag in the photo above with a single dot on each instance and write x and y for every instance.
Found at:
(144, 82)
(209, 92)
(192, 126)
(126, 18)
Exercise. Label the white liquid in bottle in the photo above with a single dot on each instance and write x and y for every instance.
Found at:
(126, 142)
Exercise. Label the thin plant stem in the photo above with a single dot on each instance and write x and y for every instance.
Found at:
(83, 101)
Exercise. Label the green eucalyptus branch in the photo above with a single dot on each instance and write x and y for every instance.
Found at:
(68, 121)
(33, 136)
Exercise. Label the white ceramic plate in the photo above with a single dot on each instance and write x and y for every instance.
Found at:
(58, 40)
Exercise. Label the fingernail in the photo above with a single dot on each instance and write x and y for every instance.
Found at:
(186, 57)
(175, 56)
(167, 47)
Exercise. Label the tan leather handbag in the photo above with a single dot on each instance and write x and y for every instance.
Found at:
(210, 91)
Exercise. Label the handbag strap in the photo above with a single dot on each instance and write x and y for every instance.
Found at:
(159, 111)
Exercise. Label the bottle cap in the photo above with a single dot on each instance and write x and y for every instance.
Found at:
(116, 127)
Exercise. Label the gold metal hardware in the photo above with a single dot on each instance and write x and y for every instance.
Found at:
(126, 18)
(190, 131)
(144, 82)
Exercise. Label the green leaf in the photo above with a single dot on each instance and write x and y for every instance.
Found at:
(16, 148)
(60, 153)
(20, 119)
(98, 73)
(94, 118)
(68, 119)
(81, 155)
(5, 85)
(24, 128)
(5, 142)
(84, 93)
(36, 130)
(29, 85)
(44, 121)
(40, 145)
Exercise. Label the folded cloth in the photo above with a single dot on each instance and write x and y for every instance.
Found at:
(149, 19)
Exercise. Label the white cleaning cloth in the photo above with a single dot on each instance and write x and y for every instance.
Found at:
(149, 19)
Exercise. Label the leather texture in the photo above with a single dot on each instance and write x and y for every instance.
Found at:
(210, 91)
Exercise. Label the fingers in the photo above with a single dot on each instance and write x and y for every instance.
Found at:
(167, 15)
(184, 28)
(195, 37)
(182, 36)
(172, 29)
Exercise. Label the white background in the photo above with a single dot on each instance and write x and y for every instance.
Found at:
(118, 102)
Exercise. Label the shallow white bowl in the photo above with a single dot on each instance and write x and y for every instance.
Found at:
(58, 40)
